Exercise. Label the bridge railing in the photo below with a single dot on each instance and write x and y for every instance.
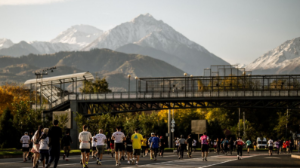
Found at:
(164, 95)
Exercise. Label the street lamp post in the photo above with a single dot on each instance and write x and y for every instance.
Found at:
(129, 86)
(136, 86)
(172, 127)
(185, 84)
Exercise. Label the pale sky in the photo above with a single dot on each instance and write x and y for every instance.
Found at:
(238, 31)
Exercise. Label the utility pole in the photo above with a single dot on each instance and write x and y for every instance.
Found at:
(239, 121)
(169, 128)
(287, 120)
(244, 121)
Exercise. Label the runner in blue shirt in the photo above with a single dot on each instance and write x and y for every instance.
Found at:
(149, 142)
(154, 145)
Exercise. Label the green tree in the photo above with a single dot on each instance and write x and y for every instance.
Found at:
(96, 86)
(7, 130)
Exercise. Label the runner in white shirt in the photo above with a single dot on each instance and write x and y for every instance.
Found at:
(25, 140)
(85, 138)
(100, 145)
(94, 144)
(118, 137)
(194, 144)
(270, 144)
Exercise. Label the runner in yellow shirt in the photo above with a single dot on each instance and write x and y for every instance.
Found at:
(136, 140)
(144, 146)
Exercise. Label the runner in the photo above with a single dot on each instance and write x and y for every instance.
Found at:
(230, 145)
(189, 142)
(123, 149)
(204, 146)
(221, 145)
(254, 145)
(270, 144)
(129, 149)
(239, 144)
(29, 155)
(118, 137)
(94, 144)
(55, 134)
(277, 143)
(162, 146)
(248, 144)
(66, 143)
(36, 145)
(287, 142)
(182, 146)
(149, 142)
(291, 145)
(225, 145)
(136, 140)
(112, 147)
(144, 146)
(234, 145)
(100, 145)
(85, 138)
(154, 146)
(218, 146)
(298, 146)
(284, 147)
(194, 145)
(44, 147)
(280, 145)
(177, 146)
(25, 140)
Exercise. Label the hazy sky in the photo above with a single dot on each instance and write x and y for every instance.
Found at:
(238, 31)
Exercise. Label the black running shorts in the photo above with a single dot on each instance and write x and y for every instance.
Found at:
(85, 150)
(118, 147)
(204, 148)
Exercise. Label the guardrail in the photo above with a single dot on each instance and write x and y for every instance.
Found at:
(164, 95)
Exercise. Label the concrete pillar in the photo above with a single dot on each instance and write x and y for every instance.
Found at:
(74, 130)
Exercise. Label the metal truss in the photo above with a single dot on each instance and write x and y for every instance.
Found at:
(96, 108)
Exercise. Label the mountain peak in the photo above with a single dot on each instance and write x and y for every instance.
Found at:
(81, 35)
(144, 17)
(280, 57)
(5, 43)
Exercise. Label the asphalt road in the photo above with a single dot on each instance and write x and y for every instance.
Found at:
(170, 160)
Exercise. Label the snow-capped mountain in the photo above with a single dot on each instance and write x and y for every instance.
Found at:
(279, 60)
(50, 48)
(81, 35)
(146, 31)
(5, 43)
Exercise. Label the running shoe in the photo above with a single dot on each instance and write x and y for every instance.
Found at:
(99, 162)
(117, 164)
(205, 159)
(67, 159)
(37, 164)
(48, 165)
(86, 166)
(128, 162)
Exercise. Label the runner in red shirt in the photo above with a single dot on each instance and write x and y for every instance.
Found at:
(239, 144)
(287, 146)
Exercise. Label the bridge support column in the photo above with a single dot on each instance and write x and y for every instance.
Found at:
(74, 129)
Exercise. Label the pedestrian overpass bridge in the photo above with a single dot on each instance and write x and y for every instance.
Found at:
(220, 87)
(224, 86)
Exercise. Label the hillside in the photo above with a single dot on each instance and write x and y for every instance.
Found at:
(115, 66)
